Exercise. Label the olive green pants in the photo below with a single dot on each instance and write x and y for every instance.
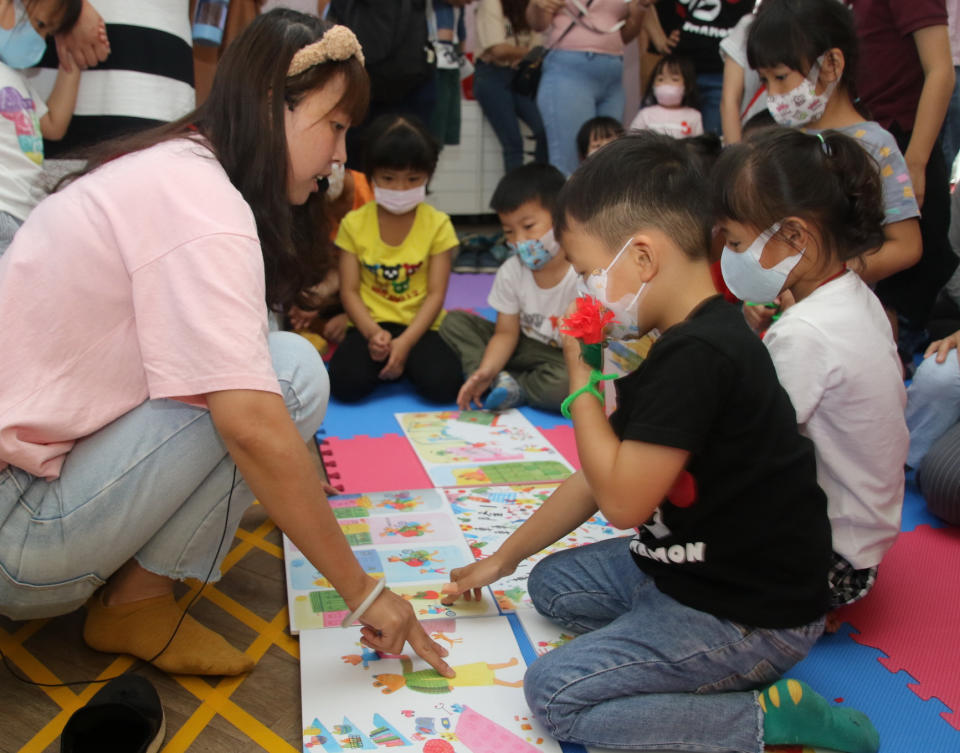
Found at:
(539, 368)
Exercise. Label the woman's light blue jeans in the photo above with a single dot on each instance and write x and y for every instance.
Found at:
(933, 404)
(648, 673)
(153, 485)
(575, 87)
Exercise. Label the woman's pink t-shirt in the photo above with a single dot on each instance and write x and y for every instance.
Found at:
(141, 280)
(590, 34)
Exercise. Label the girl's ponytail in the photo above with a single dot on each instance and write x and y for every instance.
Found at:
(827, 179)
(860, 230)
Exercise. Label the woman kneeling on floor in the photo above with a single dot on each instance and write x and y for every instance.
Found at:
(144, 403)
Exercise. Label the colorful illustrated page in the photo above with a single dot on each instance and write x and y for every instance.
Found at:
(387, 503)
(411, 538)
(543, 633)
(464, 448)
(357, 699)
(488, 515)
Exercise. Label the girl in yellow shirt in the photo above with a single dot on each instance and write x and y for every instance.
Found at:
(395, 271)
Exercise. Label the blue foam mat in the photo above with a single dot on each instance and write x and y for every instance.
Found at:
(838, 667)
(915, 512)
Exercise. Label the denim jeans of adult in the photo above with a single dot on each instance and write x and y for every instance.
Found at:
(709, 90)
(933, 404)
(950, 131)
(504, 109)
(648, 673)
(153, 485)
(575, 87)
(9, 225)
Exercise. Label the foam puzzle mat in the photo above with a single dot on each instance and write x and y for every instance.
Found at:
(896, 657)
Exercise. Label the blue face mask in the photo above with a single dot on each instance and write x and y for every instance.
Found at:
(536, 253)
(21, 46)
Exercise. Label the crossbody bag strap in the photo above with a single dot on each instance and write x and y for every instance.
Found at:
(580, 14)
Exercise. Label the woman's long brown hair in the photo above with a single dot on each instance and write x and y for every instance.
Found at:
(244, 125)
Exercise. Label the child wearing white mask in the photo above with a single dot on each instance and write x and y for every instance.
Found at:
(26, 119)
(518, 360)
(669, 106)
(722, 587)
(806, 53)
(394, 272)
(795, 210)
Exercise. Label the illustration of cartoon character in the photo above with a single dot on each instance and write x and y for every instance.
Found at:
(368, 655)
(477, 674)
(400, 502)
(418, 558)
(509, 598)
(408, 530)
(446, 638)
(544, 647)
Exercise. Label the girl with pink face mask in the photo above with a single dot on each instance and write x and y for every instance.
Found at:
(670, 105)
(394, 272)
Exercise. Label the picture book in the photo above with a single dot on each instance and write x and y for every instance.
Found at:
(466, 448)
(354, 698)
(409, 537)
(487, 517)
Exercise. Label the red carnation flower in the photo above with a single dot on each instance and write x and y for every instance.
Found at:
(588, 321)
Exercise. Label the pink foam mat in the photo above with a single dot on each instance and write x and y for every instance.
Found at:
(372, 464)
(913, 611)
(563, 440)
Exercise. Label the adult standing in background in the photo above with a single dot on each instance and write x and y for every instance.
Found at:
(503, 38)
(583, 73)
(950, 135)
(142, 77)
(693, 29)
(906, 79)
(400, 61)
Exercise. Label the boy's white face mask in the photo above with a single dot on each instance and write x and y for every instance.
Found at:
(595, 285)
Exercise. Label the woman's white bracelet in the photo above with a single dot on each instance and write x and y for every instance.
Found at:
(365, 605)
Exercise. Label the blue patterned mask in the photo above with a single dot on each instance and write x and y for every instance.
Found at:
(536, 253)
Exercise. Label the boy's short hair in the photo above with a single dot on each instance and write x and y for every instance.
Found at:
(532, 182)
(602, 126)
(641, 180)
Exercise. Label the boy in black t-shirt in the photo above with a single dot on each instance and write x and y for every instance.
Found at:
(724, 586)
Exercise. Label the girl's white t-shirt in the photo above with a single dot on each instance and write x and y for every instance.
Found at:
(21, 144)
(835, 356)
(141, 280)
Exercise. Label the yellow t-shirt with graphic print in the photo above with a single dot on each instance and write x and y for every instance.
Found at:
(393, 279)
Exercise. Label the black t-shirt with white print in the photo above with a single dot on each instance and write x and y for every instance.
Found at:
(702, 24)
(744, 533)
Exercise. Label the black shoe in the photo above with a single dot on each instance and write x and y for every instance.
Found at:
(487, 262)
(466, 261)
(125, 716)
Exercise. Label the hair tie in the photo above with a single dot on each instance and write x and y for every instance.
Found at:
(824, 145)
(338, 43)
